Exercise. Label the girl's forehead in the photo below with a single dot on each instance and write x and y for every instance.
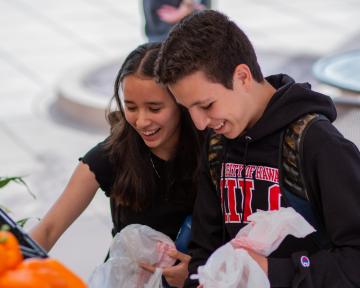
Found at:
(140, 90)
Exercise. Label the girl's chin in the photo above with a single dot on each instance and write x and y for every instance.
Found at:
(151, 138)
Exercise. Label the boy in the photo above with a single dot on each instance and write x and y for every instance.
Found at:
(210, 66)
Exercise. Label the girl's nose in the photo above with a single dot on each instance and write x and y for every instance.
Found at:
(143, 120)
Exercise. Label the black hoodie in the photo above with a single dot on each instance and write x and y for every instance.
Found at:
(332, 169)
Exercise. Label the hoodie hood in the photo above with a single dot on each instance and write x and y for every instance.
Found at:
(290, 101)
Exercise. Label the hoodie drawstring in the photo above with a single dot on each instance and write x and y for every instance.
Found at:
(248, 139)
(222, 189)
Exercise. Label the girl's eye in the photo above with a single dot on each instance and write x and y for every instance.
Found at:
(155, 109)
(131, 109)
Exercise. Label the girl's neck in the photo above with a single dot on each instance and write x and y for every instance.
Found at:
(164, 154)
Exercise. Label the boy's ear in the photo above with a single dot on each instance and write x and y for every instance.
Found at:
(242, 75)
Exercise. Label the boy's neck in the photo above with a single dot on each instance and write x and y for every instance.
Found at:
(263, 92)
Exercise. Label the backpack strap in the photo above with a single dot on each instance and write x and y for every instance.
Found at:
(292, 182)
(215, 159)
(291, 155)
(215, 152)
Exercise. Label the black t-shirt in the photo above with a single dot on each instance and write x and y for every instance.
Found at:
(162, 214)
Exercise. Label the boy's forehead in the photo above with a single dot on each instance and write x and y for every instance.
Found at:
(190, 82)
(191, 90)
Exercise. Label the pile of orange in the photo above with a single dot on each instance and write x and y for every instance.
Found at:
(15, 272)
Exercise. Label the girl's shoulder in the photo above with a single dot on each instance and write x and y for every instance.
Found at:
(98, 160)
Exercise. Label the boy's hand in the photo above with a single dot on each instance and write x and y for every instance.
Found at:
(260, 259)
(174, 275)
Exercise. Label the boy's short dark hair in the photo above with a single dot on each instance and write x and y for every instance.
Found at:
(206, 41)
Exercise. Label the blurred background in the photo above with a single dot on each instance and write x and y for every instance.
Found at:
(58, 60)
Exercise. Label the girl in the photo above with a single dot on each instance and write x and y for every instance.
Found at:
(147, 166)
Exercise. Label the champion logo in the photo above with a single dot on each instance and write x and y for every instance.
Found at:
(305, 261)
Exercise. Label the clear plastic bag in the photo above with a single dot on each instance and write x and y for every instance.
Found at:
(268, 229)
(135, 243)
(230, 266)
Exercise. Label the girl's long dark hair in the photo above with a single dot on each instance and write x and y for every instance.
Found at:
(134, 183)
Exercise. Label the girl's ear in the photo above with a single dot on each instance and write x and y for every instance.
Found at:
(242, 76)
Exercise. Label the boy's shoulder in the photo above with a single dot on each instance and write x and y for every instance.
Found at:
(291, 154)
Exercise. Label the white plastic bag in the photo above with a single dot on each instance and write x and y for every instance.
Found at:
(268, 229)
(135, 243)
(230, 266)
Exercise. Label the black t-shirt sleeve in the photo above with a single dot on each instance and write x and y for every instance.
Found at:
(99, 163)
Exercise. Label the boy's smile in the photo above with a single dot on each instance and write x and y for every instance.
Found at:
(211, 105)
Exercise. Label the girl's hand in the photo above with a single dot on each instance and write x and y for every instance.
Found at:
(174, 275)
